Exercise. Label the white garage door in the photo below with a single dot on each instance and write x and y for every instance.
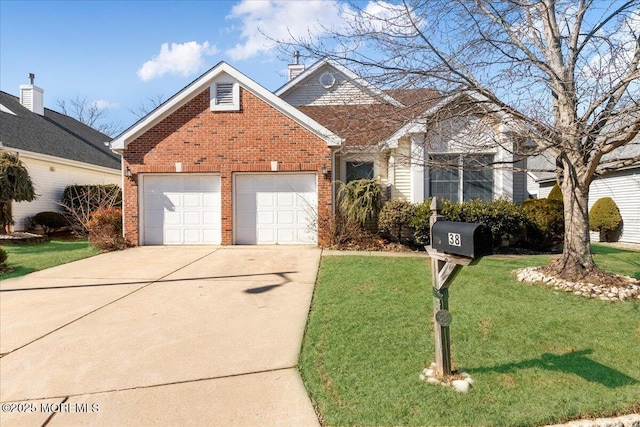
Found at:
(275, 209)
(181, 209)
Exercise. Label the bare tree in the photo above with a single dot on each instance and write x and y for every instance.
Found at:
(90, 114)
(563, 74)
(148, 106)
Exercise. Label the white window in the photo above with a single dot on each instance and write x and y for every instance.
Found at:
(225, 95)
(461, 178)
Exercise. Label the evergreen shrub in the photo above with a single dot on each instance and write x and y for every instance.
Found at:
(605, 217)
(50, 221)
(544, 222)
(395, 220)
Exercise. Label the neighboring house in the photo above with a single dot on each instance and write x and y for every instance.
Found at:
(225, 161)
(415, 141)
(56, 149)
(623, 186)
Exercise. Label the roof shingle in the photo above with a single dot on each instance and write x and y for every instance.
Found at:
(53, 134)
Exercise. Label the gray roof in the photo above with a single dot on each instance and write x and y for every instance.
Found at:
(53, 134)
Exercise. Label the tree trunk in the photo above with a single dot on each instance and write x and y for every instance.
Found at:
(576, 260)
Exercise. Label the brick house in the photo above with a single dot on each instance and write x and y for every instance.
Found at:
(225, 161)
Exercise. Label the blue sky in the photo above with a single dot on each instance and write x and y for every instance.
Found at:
(112, 52)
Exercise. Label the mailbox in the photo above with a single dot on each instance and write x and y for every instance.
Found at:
(462, 238)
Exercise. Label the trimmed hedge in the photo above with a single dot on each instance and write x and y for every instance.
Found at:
(50, 221)
(545, 222)
(605, 217)
(555, 194)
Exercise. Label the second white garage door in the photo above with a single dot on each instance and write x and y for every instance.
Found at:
(275, 209)
(181, 209)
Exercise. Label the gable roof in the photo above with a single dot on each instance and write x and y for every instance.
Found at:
(368, 125)
(351, 76)
(363, 125)
(204, 81)
(53, 134)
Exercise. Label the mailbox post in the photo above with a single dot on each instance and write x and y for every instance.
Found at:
(453, 245)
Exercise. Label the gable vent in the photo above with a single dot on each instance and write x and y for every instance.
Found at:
(224, 93)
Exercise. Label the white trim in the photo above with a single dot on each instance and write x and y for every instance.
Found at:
(353, 78)
(234, 193)
(62, 161)
(419, 125)
(235, 94)
(120, 143)
(140, 186)
(417, 169)
(6, 110)
(362, 157)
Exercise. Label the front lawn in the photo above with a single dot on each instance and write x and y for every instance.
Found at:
(537, 356)
(24, 259)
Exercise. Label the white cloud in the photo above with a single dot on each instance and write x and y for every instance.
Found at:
(381, 16)
(102, 104)
(262, 23)
(182, 59)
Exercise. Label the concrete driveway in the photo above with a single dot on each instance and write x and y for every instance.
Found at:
(159, 335)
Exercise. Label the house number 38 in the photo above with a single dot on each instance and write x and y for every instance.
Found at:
(454, 239)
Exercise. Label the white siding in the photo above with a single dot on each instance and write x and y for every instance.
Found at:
(50, 180)
(623, 187)
(401, 187)
(342, 92)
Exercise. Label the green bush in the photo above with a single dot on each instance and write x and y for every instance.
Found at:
(395, 220)
(50, 221)
(360, 201)
(420, 223)
(605, 217)
(555, 194)
(105, 229)
(545, 222)
(3, 259)
(504, 217)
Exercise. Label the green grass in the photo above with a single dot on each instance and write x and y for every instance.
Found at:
(24, 259)
(537, 356)
(617, 260)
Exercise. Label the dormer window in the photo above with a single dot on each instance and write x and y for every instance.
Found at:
(225, 95)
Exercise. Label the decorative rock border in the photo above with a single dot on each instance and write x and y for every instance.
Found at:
(461, 381)
(631, 420)
(532, 275)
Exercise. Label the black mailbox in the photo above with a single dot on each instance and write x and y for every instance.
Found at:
(462, 238)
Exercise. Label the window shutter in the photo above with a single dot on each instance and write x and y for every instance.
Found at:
(224, 93)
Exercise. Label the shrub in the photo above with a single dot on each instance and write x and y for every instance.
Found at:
(605, 217)
(3, 259)
(360, 201)
(555, 194)
(395, 220)
(545, 222)
(420, 223)
(105, 229)
(80, 201)
(504, 217)
(50, 221)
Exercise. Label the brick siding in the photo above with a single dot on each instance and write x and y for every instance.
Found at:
(224, 143)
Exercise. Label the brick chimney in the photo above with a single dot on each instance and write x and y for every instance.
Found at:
(32, 97)
(296, 68)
